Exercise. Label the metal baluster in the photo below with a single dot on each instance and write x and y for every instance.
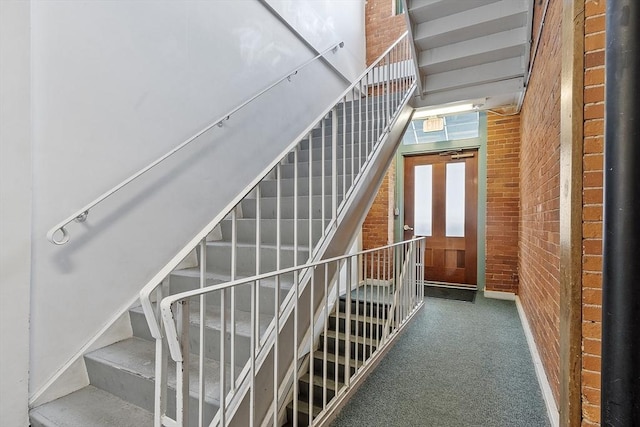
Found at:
(366, 113)
(311, 194)
(370, 304)
(325, 344)
(359, 263)
(276, 353)
(384, 291)
(223, 373)
(295, 346)
(182, 367)
(252, 348)
(232, 308)
(258, 249)
(387, 83)
(295, 284)
(336, 365)
(378, 301)
(344, 149)
(360, 128)
(347, 325)
(322, 184)
(203, 284)
(162, 359)
(312, 310)
(379, 93)
(334, 166)
(353, 141)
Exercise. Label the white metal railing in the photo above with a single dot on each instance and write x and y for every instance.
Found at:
(81, 214)
(358, 304)
(272, 227)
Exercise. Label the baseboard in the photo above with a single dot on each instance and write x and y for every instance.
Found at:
(545, 387)
(508, 296)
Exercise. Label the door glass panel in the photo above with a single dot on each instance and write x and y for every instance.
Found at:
(454, 213)
(423, 195)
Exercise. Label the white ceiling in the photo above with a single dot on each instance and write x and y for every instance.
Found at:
(471, 50)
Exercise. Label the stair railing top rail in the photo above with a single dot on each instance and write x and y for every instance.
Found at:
(81, 214)
(147, 290)
(166, 304)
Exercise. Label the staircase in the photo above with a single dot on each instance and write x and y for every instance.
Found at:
(121, 375)
(280, 223)
(367, 323)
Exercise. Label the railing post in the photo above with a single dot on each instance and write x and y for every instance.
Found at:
(182, 367)
(334, 166)
(162, 359)
(203, 310)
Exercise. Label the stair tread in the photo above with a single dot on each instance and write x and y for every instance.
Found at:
(90, 406)
(136, 356)
(214, 278)
(318, 381)
(360, 318)
(304, 409)
(243, 319)
(331, 359)
(224, 243)
(342, 336)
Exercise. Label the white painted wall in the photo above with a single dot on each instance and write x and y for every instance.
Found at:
(323, 23)
(15, 211)
(117, 84)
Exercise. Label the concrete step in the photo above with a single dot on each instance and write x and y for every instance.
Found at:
(268, 187)
(90, 406)
(365, 345)
(348, 165)
(189, 279)
(246, 230)
(268, 206)
(219, 258)
(242, 336)
(126, 370)
(365, 133)
(316, 152)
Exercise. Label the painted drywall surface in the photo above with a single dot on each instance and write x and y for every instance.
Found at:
(325, 22)
(15, 211)
(116, 85)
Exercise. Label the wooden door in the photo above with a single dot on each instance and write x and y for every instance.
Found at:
(441, 202)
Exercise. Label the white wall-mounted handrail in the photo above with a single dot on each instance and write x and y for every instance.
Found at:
(81, 214)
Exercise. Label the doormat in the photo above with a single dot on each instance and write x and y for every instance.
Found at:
(450, 293)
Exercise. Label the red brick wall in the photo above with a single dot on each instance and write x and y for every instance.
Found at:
(539, 257)
(382, 29)
(503, 203)
(592, 209)
(377, 229)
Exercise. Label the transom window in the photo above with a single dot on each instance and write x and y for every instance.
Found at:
(459, 126)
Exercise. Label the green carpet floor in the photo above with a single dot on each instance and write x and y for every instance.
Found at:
(457, 364)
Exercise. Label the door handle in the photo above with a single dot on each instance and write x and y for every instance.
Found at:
(407, 228)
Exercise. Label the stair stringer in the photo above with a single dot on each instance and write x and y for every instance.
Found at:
(350, 219)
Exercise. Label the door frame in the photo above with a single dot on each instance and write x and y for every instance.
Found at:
(479, 143)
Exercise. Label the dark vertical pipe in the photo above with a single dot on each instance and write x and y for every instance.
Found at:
(621, 241)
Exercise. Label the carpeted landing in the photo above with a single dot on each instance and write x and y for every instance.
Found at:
(457, 364)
